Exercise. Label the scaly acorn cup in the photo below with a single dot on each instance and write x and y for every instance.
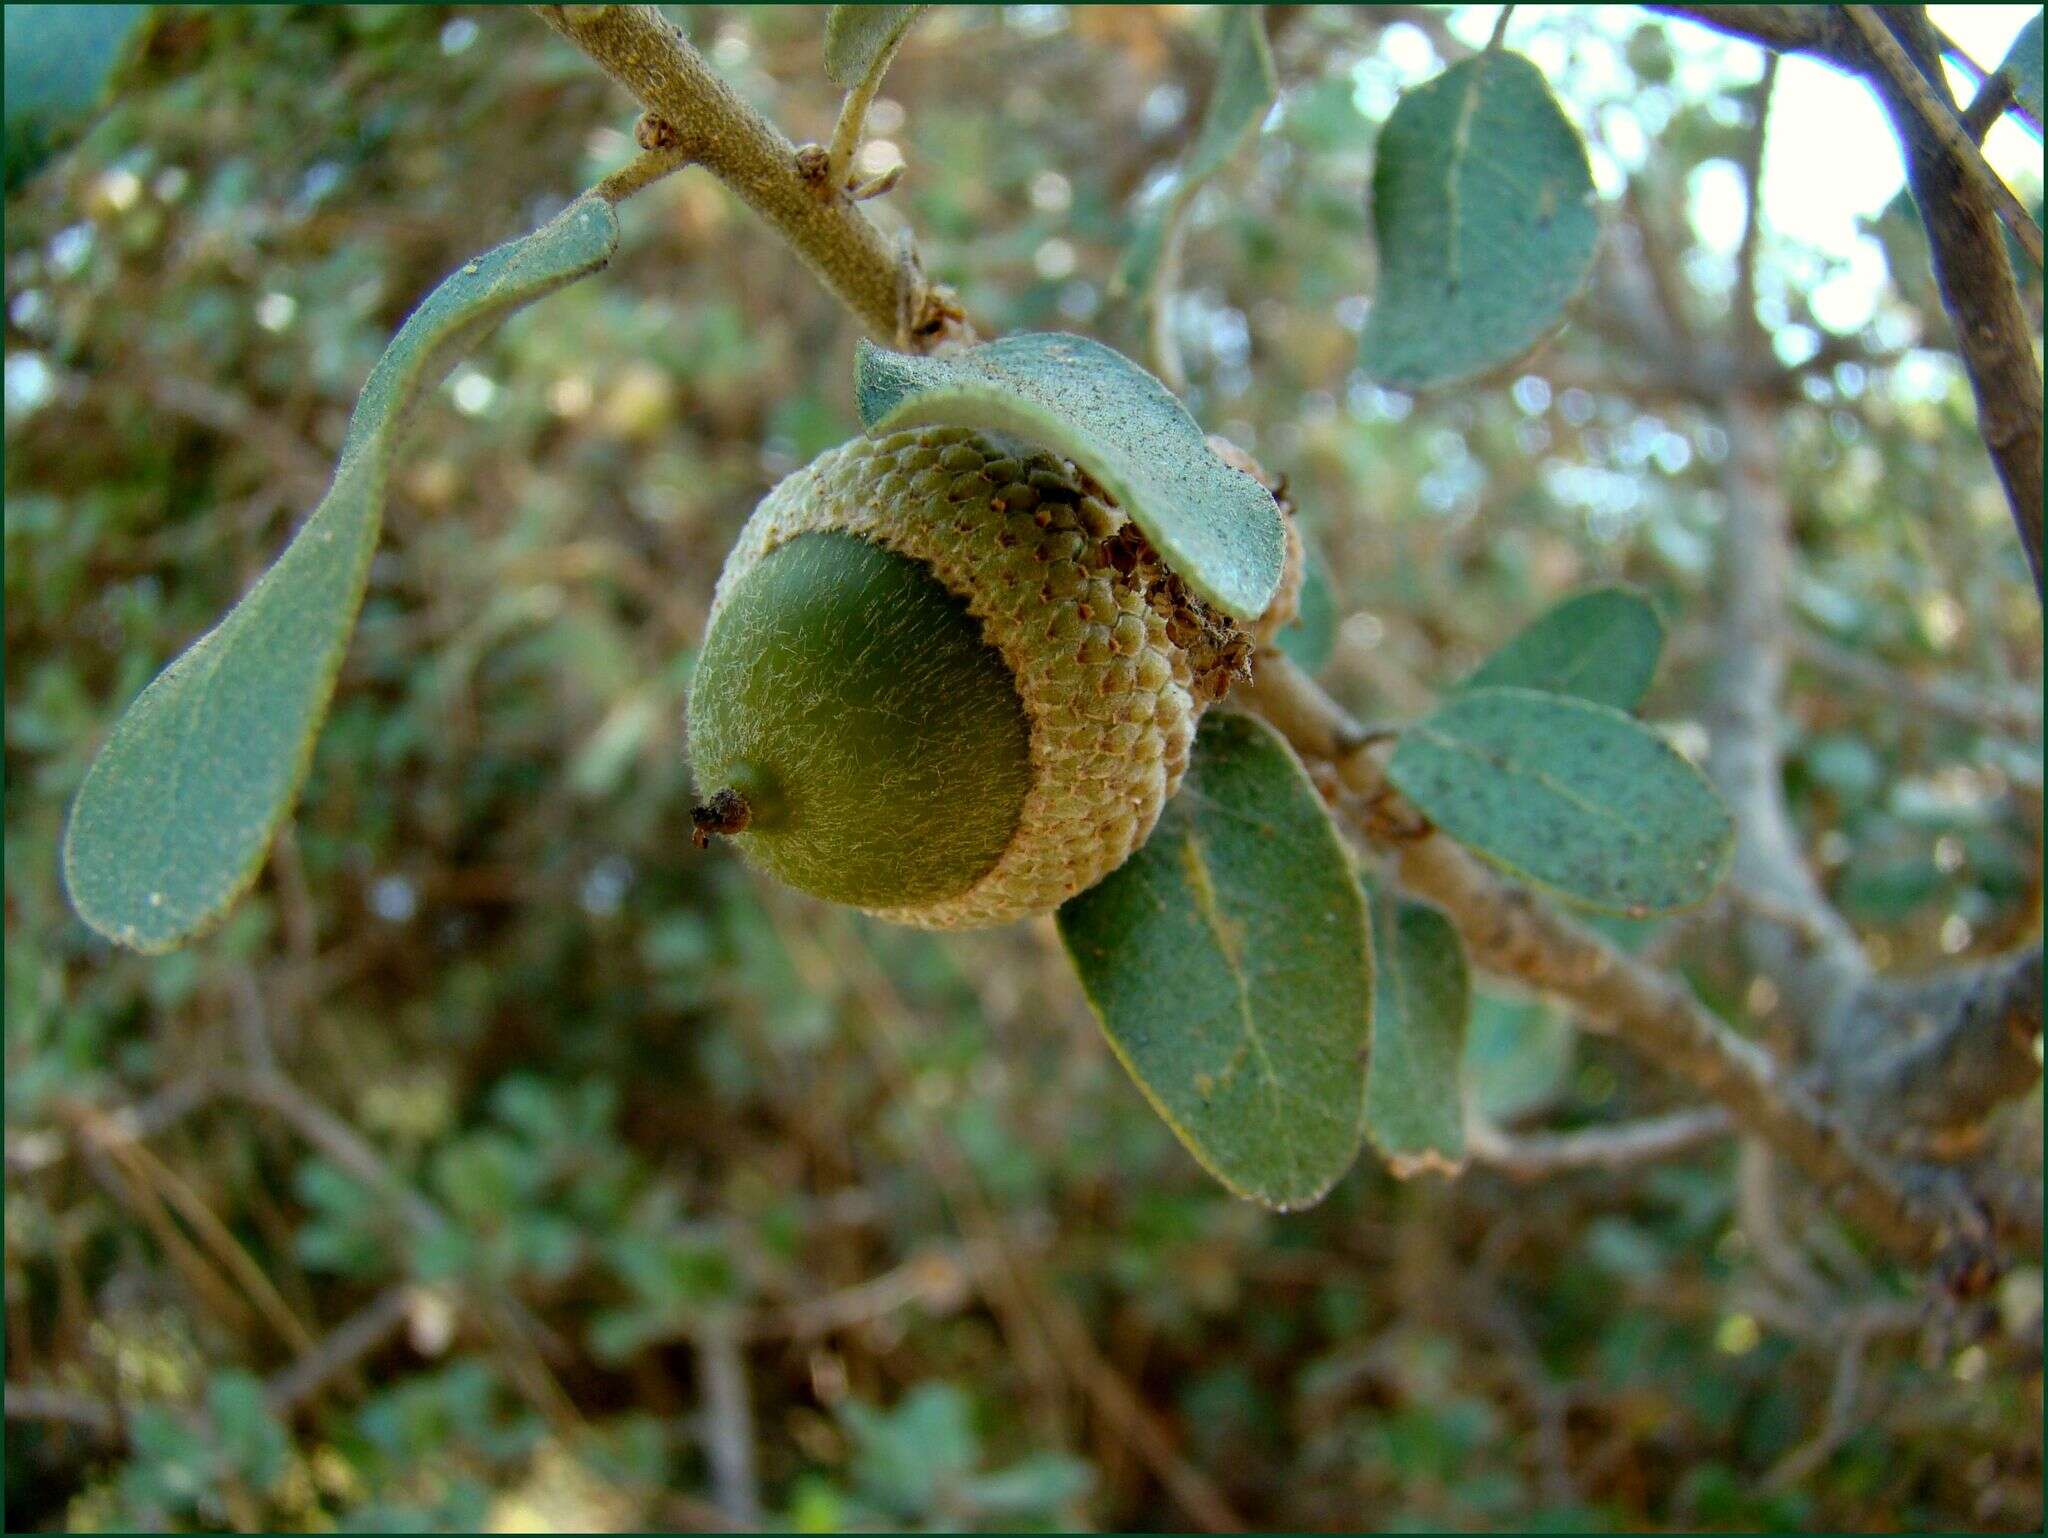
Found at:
(946, 680)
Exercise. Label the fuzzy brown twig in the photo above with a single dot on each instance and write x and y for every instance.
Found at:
(705, 123)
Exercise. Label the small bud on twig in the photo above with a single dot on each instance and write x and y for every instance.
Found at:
(813, 161)
(655, 133)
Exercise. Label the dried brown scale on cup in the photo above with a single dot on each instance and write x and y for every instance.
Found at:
(1000, 725)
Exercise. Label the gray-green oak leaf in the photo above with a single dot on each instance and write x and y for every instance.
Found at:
(1230, 963)
(175, 815)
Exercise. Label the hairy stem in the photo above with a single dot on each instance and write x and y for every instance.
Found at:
(642, 171)
(884, 287)
(848, 131)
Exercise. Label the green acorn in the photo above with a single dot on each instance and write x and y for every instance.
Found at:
(946, 681)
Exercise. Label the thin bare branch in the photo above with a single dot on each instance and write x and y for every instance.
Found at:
(643, 170)
(1819, 968)
(28, 1152)
(1756, 1207)
(361, 1334)
(1549, 1398)
(1964, 231)
(1749, 332)
(335, 1138)
(1971, 1044)
(1993, 97)
(29, 1402)
(728, 1421)
(285, 1391)
(1659, 263)
(1118, 1403)
(1957, 52)
(1837, 1422)
(2014, 713)
(172, 1189)
(1967, 246)
(1995, 93)
(1540, 1155)
(1769, 26)
(939, 1281)
(1954, 140)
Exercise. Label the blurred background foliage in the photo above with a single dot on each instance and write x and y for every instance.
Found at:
(624, 1189)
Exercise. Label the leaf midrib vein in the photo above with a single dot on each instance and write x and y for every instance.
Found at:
(1202, 888)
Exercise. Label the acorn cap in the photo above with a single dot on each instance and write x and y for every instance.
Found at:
(1109, 657)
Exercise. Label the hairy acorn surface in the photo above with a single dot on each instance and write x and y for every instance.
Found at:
(945, 680)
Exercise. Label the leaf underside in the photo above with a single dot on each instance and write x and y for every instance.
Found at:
(1230, 964)
(1485, 222)
(1570, 795)
(1215, 527)
(176, 813)
(1422, 998)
